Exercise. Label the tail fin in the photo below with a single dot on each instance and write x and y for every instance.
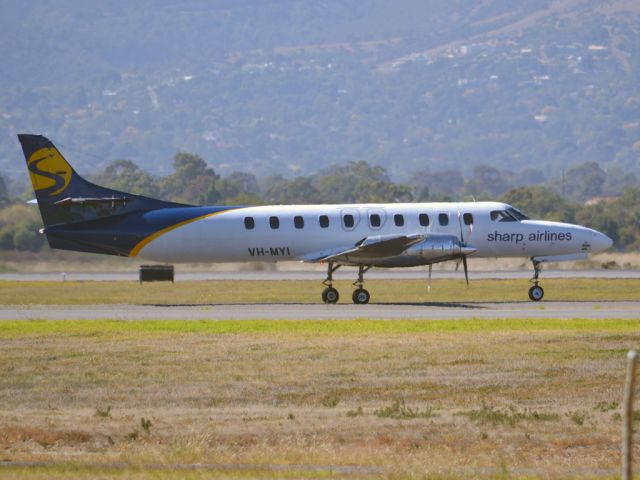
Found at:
(65, 197)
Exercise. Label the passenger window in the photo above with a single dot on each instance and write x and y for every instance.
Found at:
(398, 220)
(249, 223)
(324, 221)
(467, 218)
(443, 219)
(348, 221)
(274, 222)
(424, 219)
(374, 220)
(298, 221)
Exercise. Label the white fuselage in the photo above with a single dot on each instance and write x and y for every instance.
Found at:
(226, 236)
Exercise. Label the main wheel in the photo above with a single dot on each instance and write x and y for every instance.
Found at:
(330, 295)
(536, 293)
(360, 296)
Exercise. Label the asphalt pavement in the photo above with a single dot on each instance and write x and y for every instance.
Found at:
(445, 311)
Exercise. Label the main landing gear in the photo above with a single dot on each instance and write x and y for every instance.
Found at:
(536, 292)
(360, 295)
(331, 295)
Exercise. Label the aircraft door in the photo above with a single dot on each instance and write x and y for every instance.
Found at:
(465, 221)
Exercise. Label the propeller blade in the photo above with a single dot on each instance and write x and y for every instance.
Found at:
(429, 283)
(466, 271)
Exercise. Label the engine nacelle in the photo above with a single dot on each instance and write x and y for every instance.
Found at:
(433, 249)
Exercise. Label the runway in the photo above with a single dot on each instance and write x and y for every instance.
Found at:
(444, 311)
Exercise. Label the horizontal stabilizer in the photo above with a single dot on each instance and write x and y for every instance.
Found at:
(92, 200)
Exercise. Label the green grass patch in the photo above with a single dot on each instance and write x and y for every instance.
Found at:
(17, 328)
(285, 291)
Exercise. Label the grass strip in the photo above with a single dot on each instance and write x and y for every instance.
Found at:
(288, 291)
(363, 326)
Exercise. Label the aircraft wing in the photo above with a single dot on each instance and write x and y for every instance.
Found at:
(379, 246)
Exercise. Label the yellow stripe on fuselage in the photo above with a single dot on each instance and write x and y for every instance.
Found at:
(144, 242)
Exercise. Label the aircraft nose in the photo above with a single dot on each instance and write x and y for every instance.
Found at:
(600, 242)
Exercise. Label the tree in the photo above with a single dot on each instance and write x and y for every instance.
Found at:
(126, 176)
(540, 202)
(26, 237)
(359, 182)
(616, 181)
(298, 190)
(584, 181)
(486, 180)
(20, 225)
(242, 182)
(192, 182)
(238, 186)
(4, 193)
(437, 185)
(619, 219)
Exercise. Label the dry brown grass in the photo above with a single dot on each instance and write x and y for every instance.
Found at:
(261, 399)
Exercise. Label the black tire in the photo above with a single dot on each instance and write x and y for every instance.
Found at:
(536, 293)
(330, 295)
(360, 296)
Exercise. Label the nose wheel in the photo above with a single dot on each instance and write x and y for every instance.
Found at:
(536, 292)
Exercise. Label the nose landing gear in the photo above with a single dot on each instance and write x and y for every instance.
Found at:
(536, 292)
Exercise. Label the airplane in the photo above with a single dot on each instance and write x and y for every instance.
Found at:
(81, 216)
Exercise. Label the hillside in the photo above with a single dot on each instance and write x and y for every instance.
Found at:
(288, 89)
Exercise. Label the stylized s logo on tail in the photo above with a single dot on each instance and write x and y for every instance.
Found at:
(50, 173)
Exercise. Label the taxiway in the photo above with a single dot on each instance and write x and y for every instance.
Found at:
(449, 311)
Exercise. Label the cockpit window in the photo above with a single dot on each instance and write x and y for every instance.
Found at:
(517, 213)
(502, 216)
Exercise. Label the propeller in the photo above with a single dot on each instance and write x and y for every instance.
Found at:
(464, 249)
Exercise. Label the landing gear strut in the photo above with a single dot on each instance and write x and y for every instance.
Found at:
(360, 295)
(536, 292)
(330, 294)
